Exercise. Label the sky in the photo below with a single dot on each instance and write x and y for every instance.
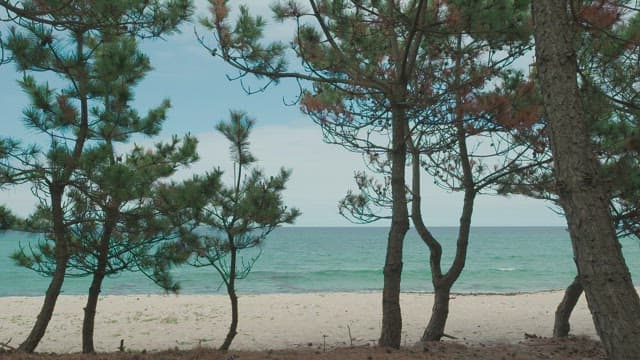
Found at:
(201, 95)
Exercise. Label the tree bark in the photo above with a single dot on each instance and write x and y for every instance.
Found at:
(442, 283)
(231, 290)
(391, 332)
(50, 298)
(233, 327)
(439, 313)
(96, 286)
(56, 190)
(612, 299)
(98, 276)
(55, 286)
(90, 312)
(561, 326)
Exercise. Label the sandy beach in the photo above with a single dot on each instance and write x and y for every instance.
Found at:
(278, 321)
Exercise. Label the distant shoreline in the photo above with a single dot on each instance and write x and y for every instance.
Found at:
(222, 293)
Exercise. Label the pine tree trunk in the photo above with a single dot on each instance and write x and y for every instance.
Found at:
(57, 279)
(561, 326)
(90, 312)
(612, 299)
(234, 303)
(391, 333)
(46, 312)
(234, 320)
(88, 324)
(439, 313)
(443, 282)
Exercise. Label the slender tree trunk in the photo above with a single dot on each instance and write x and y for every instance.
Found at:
(439, 313)
(56, 190)
(57, 279)
(603, 273)
(231, 290)
(46, 312)
(99, 274)
(90, 312)
(391, 333)
(561, 326)
(442, 283)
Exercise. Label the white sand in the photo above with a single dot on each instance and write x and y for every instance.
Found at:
(155, 322)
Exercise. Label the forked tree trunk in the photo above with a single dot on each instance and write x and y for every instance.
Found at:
(391, 333)
(612, 299)
(231, 290)
(442, 283)
(561, 326)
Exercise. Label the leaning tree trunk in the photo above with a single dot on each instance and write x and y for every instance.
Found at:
(57, 279)
(391, 333)
(612, 299)
(561, 326)
(46, 312)
(233, 297)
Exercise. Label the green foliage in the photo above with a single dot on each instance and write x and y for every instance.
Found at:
(95, 203)
(8, 220)
(219, 221)
(237, 132)
(608, 69)
(240, 216)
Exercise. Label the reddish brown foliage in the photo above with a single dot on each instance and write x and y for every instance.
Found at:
(518, 112)
(69, 113)
(600, 14)
(219, 10)
(453, 17)
(311, 104)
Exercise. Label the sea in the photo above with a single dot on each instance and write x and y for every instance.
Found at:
(351, 259)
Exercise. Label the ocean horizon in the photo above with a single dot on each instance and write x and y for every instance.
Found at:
(350, 259)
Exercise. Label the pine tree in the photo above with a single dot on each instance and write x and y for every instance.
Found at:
(607, 54)
(584, 197)
(381, 75)
(65, 39)
(236, 217)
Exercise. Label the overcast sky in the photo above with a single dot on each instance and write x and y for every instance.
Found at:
(201, 95)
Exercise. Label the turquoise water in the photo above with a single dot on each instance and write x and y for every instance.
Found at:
(298, 259)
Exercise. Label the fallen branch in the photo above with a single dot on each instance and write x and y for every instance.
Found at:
(450, 336)
(6, 346)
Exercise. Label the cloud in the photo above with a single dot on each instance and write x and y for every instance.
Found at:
(323, 173)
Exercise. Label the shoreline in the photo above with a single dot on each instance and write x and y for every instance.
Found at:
(282, 321)
(377, 291)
